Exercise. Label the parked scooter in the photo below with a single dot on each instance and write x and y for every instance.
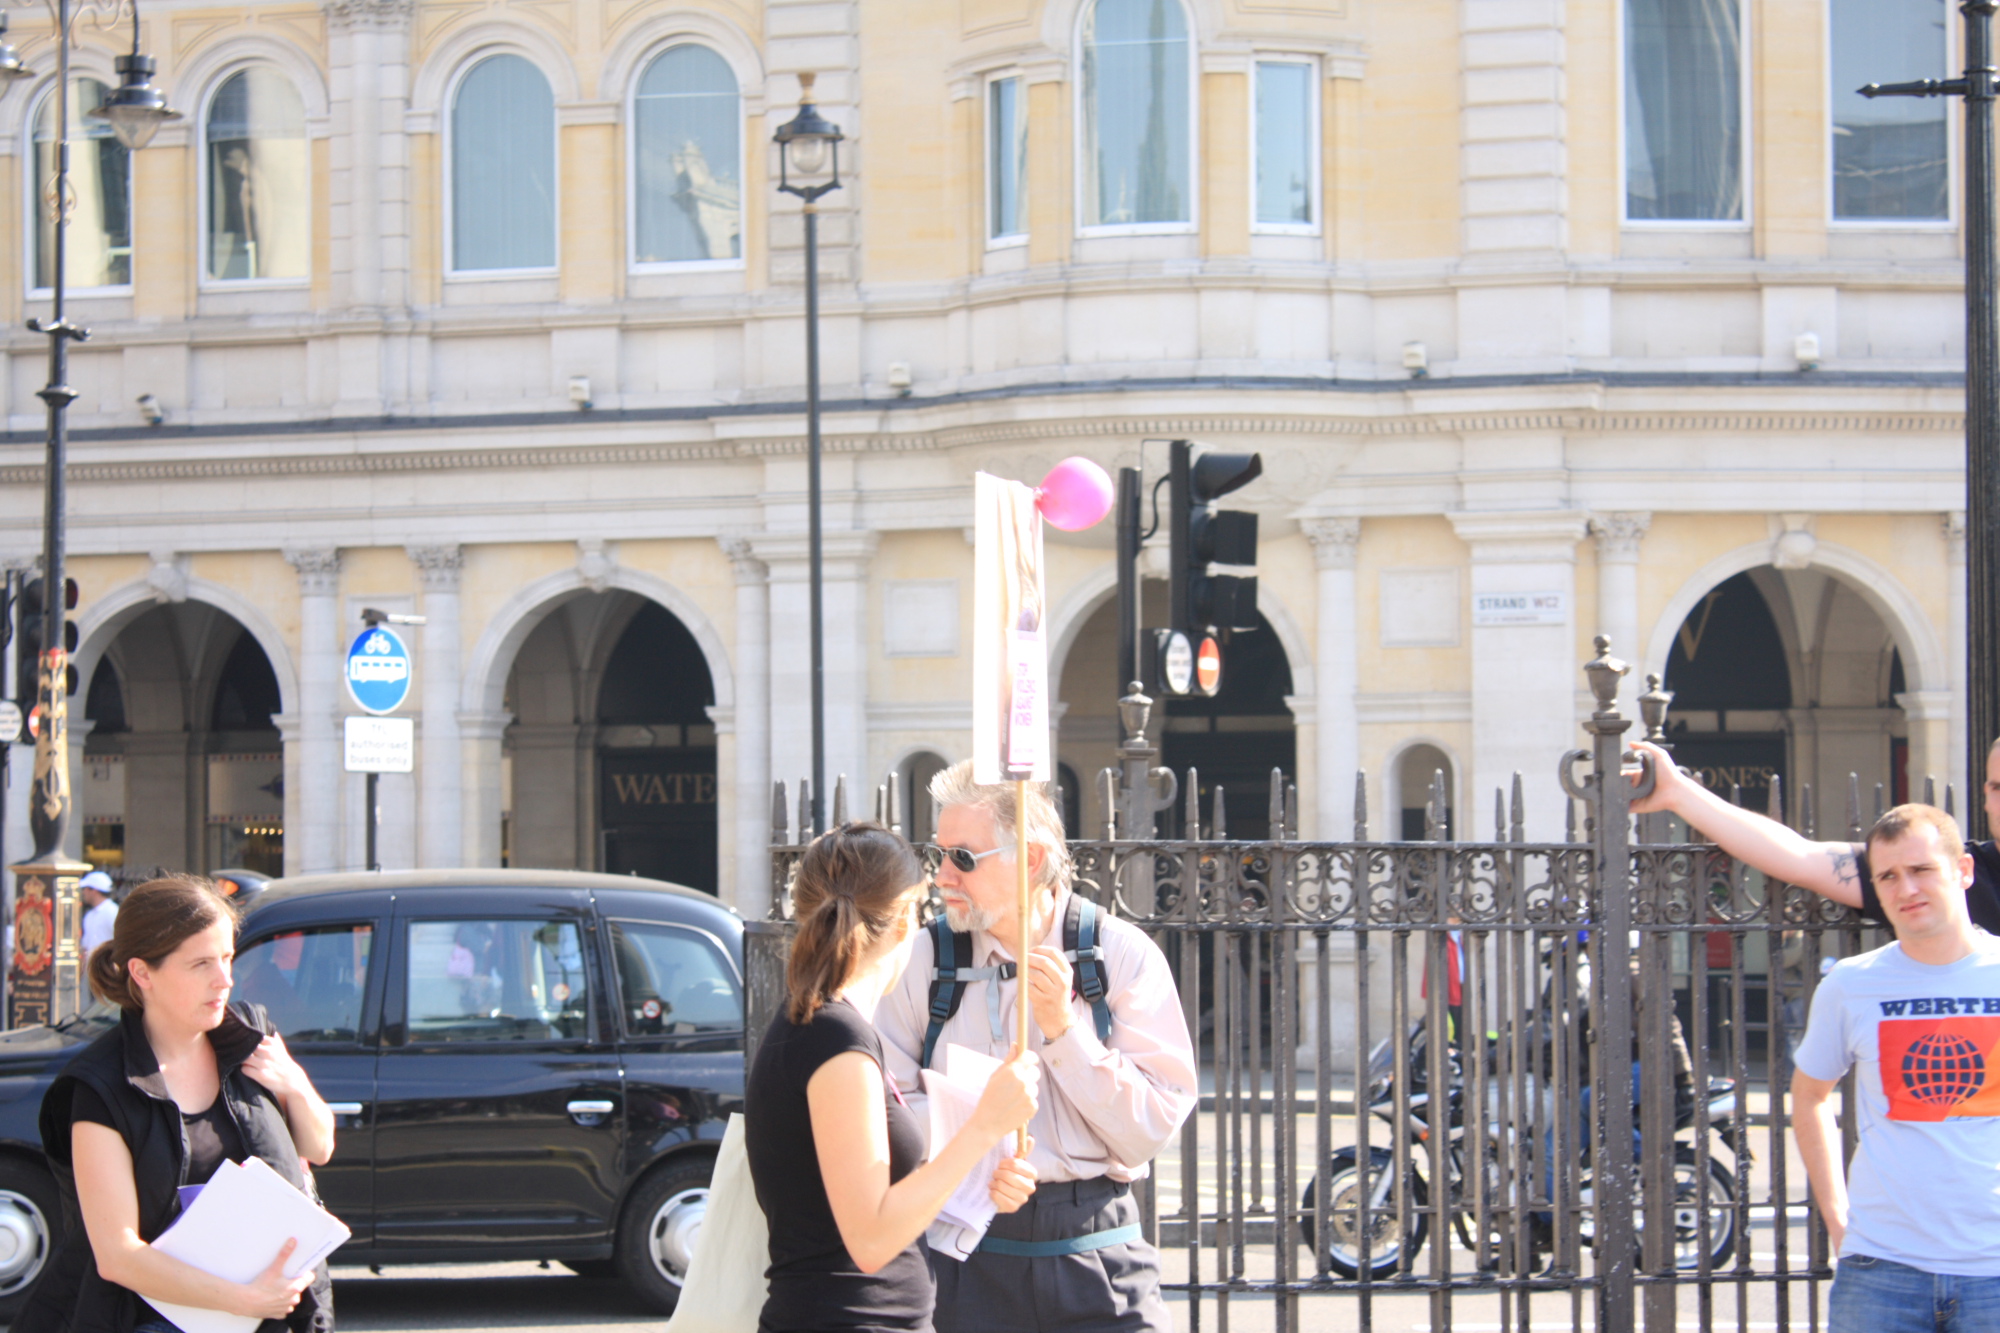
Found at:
(1396, 1234)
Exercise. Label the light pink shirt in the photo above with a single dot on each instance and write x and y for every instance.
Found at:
(1107, 1108)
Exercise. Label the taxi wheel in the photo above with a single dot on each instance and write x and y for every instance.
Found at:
(30, 1230)
(662, 1220)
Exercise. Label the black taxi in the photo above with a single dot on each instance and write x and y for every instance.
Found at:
(522, 1065)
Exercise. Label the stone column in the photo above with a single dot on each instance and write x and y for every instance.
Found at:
(1524, 675)
(846, 555)
(440, 827)
(1968, 784)
(1337, 678)
(747, 885)
(481, 801)
(312, 809)
(1618, 536)
(368, 181)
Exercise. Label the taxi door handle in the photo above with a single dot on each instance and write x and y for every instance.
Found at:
(590, 1108)
(344, 1108)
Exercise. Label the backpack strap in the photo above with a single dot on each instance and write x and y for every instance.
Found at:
(1081, 947)
(949, 978)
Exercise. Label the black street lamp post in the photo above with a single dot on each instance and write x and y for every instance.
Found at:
(135, 110)
(1982, 388)
(809, 166)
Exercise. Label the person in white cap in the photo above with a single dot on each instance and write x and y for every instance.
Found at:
(100, 914)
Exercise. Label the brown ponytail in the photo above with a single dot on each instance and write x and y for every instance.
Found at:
(155, 919)
(848, 895)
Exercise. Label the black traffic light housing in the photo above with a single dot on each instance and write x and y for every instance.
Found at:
(1203, 535)
(30, 610)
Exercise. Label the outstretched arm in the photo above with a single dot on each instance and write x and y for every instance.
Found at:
(1830, 869)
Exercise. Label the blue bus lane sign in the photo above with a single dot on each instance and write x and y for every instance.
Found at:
(378, 670)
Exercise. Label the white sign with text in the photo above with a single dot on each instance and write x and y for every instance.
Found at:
(1520, 608)
(381, 744)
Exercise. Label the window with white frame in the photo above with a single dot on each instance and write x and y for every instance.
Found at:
(503, 168)
(1684, 110)
(1006, 159)
(1890, 154)
(1137, 115)
(687, 160)
(259, 222)
(98, 244)
(1285, 112)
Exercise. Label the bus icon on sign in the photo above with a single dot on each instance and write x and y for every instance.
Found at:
(378, 670)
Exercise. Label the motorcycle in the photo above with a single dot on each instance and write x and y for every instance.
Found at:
(1395, 1236)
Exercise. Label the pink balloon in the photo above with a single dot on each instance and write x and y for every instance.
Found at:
(1075, 494)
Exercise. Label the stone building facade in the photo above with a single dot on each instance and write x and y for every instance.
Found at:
(490, 311)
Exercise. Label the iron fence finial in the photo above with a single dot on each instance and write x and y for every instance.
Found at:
(779, 834)
(1361, 805)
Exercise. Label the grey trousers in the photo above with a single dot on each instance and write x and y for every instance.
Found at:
(1112, 1290)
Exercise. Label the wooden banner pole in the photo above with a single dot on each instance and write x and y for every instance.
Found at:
(1021, 959)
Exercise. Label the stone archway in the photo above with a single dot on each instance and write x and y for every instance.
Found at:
(611, 756)
(183, 764)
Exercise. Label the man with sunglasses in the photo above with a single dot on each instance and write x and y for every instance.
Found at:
(1072, 1257)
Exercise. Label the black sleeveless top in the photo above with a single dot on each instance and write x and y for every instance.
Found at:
(814, 1284)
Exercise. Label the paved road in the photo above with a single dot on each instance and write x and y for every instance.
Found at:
(470, 1297)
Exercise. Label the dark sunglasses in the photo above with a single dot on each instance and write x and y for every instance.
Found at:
(964, 858)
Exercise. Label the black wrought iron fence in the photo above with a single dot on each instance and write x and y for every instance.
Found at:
(1439, 1081)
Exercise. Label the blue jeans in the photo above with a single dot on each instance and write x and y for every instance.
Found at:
(1873, 1295)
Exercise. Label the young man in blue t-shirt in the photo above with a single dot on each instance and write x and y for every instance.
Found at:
(1917, 1222)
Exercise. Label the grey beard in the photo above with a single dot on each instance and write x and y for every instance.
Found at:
(970, 919)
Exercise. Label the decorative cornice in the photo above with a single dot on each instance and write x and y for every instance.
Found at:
(1534, 536)
(438, 567)
(318, 567)
(1333, 540)
(1111, 428)
(1618, 536)
(1422, 706)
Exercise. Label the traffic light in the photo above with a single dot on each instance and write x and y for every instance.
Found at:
(28, 642)
(1203, 535)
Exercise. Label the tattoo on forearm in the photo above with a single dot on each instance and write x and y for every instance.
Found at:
(1846, 866)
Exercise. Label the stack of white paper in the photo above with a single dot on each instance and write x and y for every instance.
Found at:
(234, 1229)
(954, 1094)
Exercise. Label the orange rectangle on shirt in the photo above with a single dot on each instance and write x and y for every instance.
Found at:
(1940, 1068)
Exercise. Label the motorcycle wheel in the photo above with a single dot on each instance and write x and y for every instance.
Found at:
(1347, 1184)
(1688, 1208)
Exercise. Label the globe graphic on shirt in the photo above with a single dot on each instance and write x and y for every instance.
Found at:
(1943, 1069)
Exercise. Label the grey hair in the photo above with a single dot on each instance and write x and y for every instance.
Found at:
(954, 786)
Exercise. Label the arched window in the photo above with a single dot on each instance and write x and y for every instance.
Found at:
(99, 241)
(259, 172)
(687, 187)
(1136, 115)
(503, 168)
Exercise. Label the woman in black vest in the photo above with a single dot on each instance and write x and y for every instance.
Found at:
(185, 1081)
(837, 1159)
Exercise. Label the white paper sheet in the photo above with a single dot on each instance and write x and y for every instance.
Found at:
(234, 1229)
(954, 1094)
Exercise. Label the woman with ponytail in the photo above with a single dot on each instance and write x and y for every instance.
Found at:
(185, 1081)
(836, 1157)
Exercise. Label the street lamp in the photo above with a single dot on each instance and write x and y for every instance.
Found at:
(809, 166)
(135, 111)
(1982, 387)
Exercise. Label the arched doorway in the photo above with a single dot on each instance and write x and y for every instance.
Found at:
(1789, 673)
(1234, 739)
(1417, 769)
(183, 766)
(611, 755)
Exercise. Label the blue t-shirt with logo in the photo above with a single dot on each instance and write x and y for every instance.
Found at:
(1924, 1187)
